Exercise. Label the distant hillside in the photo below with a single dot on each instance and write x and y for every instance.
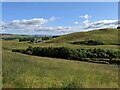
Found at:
(19, 36)
(108, 36)
(12, 36)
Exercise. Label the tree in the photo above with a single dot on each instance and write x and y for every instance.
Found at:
(29, 49)
(111, 55)
(118, 27)
(32, 40)
(45, 38)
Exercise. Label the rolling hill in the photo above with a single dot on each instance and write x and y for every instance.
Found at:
(28, 71)
(108, 36)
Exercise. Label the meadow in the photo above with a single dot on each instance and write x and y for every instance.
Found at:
(26, 71)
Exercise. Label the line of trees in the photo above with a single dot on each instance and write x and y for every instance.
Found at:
(46, 38)
(68, 53)
(27, 39)
(89, 42)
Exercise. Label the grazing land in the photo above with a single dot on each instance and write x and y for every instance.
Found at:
(22, 70)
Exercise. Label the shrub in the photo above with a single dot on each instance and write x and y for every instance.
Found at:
(89, 42)
(30, 48)
(98, 53)
(27, 39)
(118, 27)
(45, 38)
(68, 53)
(16, 50)
(60, 52)
(19, 50)
(28, 52)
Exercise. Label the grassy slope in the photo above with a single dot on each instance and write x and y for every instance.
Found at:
(108, 36)
(9, 45)
(12, 36)
(21, 70)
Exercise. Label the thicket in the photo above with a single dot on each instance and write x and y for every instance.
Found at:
(68, 53)
(27, 39)
(46, 38)
(89, 42)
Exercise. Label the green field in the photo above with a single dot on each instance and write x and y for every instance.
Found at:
(108, 36)
(23, 71)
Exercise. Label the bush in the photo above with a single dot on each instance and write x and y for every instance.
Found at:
(19, 50)
(68, 53)
(28, 52)
(27, 39)
(98, 53)
(45, 38)
(15, 50)
(60, 52)
(30, 48)
(118, 27)
(89, 42)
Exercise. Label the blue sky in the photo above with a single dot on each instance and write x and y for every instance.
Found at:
(61, 18)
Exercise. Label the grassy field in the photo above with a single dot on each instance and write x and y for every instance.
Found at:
(108, 36)
(23, 71)
(12, 36)
(15, 44)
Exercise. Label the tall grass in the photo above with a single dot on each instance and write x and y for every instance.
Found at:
(23, 71)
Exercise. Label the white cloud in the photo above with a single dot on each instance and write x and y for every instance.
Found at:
(37, 26)
(59, 28)
(19, 24)
(1, 23)
(68, 27)
(35, 21)
(43, 29)
(86, 16)
(86, 22)
(103, 24)
(53, 18)
(2, 30)
(76, 22)
(1, 26)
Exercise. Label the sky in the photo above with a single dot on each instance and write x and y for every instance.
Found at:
(56, 18)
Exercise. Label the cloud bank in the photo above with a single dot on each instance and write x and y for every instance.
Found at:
(39, 26)
(102, 24)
